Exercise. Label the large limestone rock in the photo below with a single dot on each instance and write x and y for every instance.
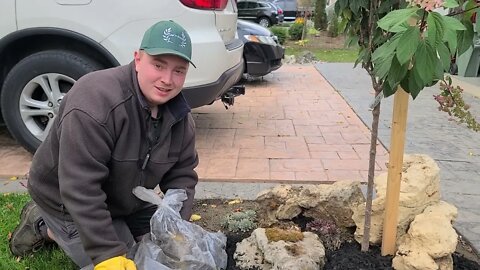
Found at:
(257, 252)
(335, 201)
(420, 187)
(430, 240)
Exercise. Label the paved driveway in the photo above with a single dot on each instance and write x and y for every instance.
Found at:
(292, 126)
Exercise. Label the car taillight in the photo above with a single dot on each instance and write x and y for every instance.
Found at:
(205, 4)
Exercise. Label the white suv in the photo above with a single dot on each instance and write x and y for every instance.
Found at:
(46, 45)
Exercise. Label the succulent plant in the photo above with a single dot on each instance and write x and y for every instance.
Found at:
(243, 221)
(328, 232)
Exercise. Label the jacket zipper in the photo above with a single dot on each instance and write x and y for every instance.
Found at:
(149, 151)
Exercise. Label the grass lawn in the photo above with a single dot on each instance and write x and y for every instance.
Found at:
(51, 258)
(326, 55)
(325, 48)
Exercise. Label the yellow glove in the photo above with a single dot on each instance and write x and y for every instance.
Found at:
(116, 263)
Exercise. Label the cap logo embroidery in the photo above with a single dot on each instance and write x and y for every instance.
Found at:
(167, 35)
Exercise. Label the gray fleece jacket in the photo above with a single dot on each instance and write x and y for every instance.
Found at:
(98, 150)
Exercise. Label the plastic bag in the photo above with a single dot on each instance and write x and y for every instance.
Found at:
(174, 243)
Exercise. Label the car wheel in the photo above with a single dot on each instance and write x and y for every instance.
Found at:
(264, 21)
(33, 90)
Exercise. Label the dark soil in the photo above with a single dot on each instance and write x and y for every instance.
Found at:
(348, 256)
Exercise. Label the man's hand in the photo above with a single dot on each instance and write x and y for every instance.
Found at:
(116, 263)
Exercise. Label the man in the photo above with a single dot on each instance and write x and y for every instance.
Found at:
(116, 129)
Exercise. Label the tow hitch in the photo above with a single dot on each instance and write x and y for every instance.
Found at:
(228, 98)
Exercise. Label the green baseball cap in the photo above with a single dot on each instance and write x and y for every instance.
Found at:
(167, 37)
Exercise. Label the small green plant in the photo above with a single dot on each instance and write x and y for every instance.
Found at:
(242, 221)
(280, 32)
(295, 31)
(312, 31)
(328, 232)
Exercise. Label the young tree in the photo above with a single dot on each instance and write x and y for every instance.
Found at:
(320, 20)
(408, 45)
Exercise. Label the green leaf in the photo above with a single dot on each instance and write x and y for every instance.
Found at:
(435, 28)
(382, 57)
(396, 20)
(411, 83)
(355, 7)
(450, 37)
(408, 44)
(477, 22)
(386, 6)
(340, 5)
(431, 29)
(388, 90)
(352, 41)
(450, 4)
(424, 64)
(453, 23)
(397, 72)
(465, 38)
(438, 72)
(386, 50)
(362, 56)
(364, 3)
(469, 8)
(417, 84)
(382, 66)
(445, 56)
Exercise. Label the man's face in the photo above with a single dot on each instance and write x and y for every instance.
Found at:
(160, 77)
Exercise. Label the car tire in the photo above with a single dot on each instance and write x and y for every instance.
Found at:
(264, 21)
(33, 90)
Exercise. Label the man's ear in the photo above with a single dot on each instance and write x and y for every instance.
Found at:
(137, 55)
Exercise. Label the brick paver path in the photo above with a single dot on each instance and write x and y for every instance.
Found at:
(292, 126)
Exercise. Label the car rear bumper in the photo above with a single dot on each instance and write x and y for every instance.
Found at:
(262, 58)
(206, 94)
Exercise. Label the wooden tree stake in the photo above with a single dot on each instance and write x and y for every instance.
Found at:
(395, 164)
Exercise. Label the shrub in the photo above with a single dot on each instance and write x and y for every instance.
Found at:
(280, 32)
(295, 31)
(332, 29)
(320, 18)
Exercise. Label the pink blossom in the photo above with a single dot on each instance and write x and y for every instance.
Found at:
(429, 5)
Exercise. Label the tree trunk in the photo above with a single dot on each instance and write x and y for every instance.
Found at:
(371, 174)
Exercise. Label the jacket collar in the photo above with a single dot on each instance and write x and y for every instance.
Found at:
(177, 107)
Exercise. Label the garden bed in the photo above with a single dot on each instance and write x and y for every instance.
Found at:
(348, 256)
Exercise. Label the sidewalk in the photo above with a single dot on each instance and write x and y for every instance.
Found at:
(455, 148)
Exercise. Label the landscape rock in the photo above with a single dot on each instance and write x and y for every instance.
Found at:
(289, 59)
(419, 188)
(305, 57)
(335, 201)
(257, 252)
(430, 240)
(328, 201)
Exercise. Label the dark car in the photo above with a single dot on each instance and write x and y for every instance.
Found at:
(264, 13)
(289, 8)
(262, 52)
